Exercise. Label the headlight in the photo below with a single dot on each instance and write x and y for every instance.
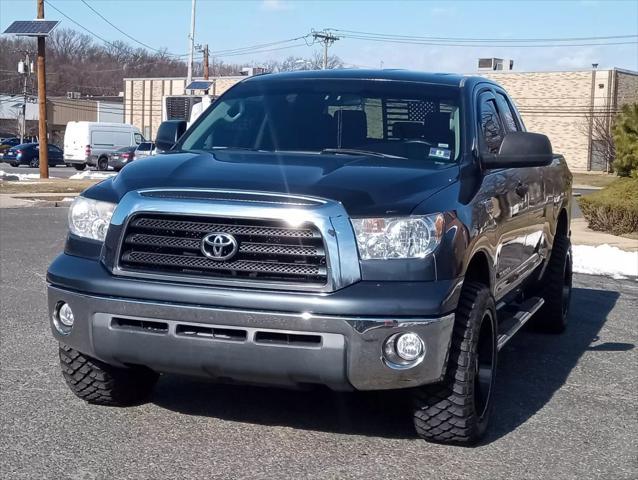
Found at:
(90, 218)
(398, 237)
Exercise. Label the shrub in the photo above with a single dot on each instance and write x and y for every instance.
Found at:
(625, 132)
(614, 209)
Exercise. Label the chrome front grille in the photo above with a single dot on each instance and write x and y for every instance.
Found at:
(268, 250)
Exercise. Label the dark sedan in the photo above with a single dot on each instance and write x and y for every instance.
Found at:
(29, 154)
(122, 157)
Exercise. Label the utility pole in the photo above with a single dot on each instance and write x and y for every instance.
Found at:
(191, 45)
(43, 155)
(327, 39)
(206, 62)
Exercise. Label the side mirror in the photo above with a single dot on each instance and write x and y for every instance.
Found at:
(168, 134)
(521, 149)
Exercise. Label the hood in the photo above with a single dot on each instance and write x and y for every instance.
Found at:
(364, 185)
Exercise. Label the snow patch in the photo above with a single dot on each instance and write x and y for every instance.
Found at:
(605, 260)
(19, 176)
(92, 175)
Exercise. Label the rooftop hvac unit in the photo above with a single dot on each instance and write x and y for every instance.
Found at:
(495, 64)
(178, 107)
(251, 71)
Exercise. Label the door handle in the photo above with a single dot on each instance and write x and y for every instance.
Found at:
(522, 189)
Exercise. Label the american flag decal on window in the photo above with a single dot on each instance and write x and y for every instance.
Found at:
(400, 110)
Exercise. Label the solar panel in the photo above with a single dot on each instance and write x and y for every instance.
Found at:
(199, 85)
(32, 28)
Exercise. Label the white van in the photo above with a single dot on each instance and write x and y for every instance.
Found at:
(91, 143)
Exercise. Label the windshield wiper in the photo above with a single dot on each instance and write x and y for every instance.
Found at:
(356, 151)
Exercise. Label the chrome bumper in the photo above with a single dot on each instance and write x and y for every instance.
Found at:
(340, 352)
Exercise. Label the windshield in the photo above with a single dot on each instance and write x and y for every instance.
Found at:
(394, 119)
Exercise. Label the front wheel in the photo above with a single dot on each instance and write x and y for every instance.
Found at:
(102, 384)
(457, 409)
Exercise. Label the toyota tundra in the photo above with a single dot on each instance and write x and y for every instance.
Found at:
(357, 229)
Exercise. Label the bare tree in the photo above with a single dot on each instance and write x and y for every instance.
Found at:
(601, 137)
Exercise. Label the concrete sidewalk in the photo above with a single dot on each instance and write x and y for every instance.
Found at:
(583, 235)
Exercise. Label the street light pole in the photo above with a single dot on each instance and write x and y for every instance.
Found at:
(191, 46)
(43, 154)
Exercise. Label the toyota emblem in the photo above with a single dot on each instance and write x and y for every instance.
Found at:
(219, 246)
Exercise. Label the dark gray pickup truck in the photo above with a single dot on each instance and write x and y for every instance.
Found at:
(365, 230)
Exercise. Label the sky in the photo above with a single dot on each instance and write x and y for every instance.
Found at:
(240, 23)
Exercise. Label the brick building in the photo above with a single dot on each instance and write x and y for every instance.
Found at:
(558, 104)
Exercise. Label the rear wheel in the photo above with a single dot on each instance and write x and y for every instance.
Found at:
(457, 409)
(103, 163)
(556, 286)
(103, 384)
(14, 164)
(79, 166)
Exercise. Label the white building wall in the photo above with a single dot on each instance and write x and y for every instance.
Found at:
(110, 112)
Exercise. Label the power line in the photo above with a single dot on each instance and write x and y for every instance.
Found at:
(259, 46)
(485, 42)
(446, 44)
(474, 39)
(127, 35)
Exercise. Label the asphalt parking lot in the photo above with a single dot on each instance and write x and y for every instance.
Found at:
(565, 405)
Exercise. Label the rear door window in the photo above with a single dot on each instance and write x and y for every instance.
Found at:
(510, 122)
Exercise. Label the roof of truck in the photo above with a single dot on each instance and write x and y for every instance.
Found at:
(447, 79)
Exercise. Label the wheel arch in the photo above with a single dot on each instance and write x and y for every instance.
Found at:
(479, 269)
(562, 223)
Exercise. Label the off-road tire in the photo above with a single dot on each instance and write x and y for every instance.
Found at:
(102, 164)
(552, 316)
(446, 412)
(102, 384)
(79, 166)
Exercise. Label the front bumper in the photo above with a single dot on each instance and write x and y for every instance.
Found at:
(251, 345)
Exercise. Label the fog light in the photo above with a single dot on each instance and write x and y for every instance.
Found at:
(63, 318)
(66, 315)
(403, 350)
(409, 346)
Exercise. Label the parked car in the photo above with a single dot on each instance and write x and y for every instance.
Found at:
(122, 157)
(145, 149)
(360, 229)
(29, 154)
(91, 143)
(7, 143)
